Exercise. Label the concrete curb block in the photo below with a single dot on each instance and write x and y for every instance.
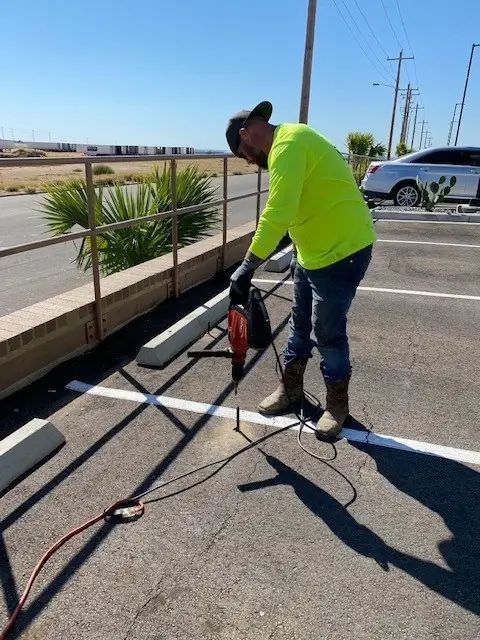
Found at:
(280, 261)
(25, 448)
(386, 214)
(165, 346)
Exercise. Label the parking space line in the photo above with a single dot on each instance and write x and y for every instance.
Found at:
(352, 435)
(428, 294)
(470, 224)
(436, 244)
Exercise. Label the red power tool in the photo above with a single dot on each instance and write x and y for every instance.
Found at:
(248, 328)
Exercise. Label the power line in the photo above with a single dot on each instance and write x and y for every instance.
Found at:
(381, 73)
(403, 25)
(367, 42)
(391, 26)
(395, 35)
(408, 42)
(371, 30)
(411, 51)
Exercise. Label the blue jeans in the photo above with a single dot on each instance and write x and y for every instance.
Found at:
(321, 301)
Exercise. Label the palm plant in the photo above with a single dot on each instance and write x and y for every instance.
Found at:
(402, 149)
(66, 205)
(359, 143)
(377, 150)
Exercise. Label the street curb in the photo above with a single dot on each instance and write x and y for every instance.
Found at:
(280, 261)
(165, 346)
(25, 448)
(386, 214)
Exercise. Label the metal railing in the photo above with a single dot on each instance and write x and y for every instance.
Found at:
(359, 164)
(94, 231)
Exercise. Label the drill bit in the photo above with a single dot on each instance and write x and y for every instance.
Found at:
(237, 428)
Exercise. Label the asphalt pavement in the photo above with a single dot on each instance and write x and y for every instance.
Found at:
(271, 547)
(34, 276)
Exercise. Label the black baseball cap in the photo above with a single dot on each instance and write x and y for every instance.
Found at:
(238, 121)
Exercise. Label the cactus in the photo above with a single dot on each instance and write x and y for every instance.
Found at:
(431, 194)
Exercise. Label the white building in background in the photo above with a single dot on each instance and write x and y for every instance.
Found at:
(96, 149)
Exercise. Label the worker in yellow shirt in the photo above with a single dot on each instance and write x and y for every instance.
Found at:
(314, 198)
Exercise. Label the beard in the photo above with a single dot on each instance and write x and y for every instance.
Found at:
(259, 156)
(263, 160)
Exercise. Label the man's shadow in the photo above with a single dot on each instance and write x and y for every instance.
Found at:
(460, 585)
(446, 487)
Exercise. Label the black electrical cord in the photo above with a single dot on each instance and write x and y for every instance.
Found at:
(301, 423)
(133, 508)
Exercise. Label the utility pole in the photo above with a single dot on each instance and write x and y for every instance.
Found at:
(395, 97)
(3, 138)
(403, 132)
(415, 124)
(452, 122)
(424, 122)
(407, 113)
(465, 91)
(33, 135)
(307, 61)
(307, 69)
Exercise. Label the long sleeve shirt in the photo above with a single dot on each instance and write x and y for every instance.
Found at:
(314, 197)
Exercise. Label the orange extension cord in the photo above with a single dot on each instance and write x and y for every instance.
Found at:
(136, 509)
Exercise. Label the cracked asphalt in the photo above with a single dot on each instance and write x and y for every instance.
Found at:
(265, 548)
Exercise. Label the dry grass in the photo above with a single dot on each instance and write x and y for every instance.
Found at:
(24, 178)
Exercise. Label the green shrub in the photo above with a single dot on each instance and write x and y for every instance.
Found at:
(12, 189)
(238, 173)
(77, 170)
(102, 170)
(31, 190)
(104, 182)
(66, 205)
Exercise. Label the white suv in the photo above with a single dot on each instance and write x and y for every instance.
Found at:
(397, 179)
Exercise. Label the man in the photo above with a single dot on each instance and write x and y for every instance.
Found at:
(312, 196)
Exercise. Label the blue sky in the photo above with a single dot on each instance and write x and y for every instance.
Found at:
(171, 72)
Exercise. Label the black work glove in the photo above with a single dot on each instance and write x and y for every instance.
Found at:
(241, 279)
(293, 263)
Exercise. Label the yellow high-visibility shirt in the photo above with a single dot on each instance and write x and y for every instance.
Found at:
(314, 197)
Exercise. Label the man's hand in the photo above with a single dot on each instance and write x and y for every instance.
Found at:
(241, 279)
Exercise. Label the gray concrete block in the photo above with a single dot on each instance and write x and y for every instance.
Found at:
(387, 214)
(165, 346)
(25, 448)
(469, 208)
(280, 261)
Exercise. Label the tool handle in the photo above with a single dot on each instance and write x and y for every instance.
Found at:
(209, 353)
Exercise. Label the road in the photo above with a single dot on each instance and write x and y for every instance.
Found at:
(266, 549)
(34, 276)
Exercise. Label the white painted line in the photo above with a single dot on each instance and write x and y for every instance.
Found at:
(165, 346)
(428, 294)
(280, 261)
(277, 422)
(436, 244)
(25, 448)
(470, 224)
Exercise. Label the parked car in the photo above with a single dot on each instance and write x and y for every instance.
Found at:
(397, 179)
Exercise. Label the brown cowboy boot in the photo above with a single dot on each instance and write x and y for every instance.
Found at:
(289, 391)
(336, 412)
